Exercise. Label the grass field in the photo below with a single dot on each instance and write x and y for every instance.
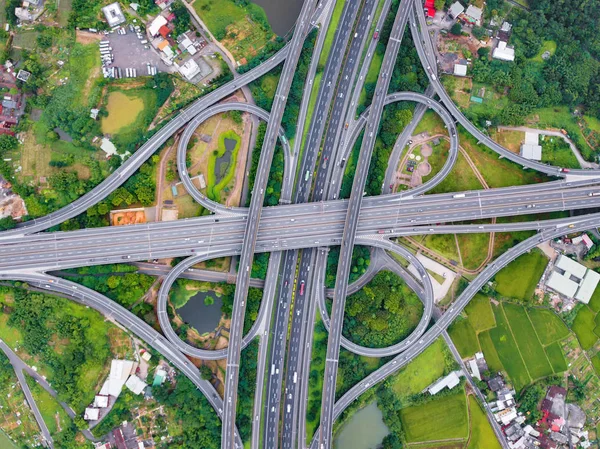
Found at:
(54, 415)
(241, 26)
(548, 326)
(335, 19)
(479, 311)
(527, 341)
(315, 385)
(482, 434)
(461, 178)
(464, 337)
(497, 172)
(64, 10)
(546, 46)
(422, 371)
(519, 279)
(473, 249)
(508, 351)
(555, 151)
(443, 244)
(583, 326)
(556, 358)
(594, 303)
(372, 73)
(449, 414)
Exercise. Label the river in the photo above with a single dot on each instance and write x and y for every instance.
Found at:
(282, 14)
(364, 430)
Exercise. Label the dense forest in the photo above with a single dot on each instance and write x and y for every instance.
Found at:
(383, 312)
(570, 77)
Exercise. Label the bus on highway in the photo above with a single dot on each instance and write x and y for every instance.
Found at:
(306, 175)
(302, 288)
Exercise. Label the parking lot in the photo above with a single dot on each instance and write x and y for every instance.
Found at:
(129, 52)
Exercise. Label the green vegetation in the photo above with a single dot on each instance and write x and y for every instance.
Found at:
(336, 15)
(519, 279)
(247, 385)
(449, 413)
(192, 421)
(489, 350)
(555, 151)
(227, 171)
(315, 383)
(53, 414)
(273, 192)
(383, 312)
(289, 121)
(152, 95)
(508, 351)
(548, 326)
(464, 337)
(480, 313)
(435, 361)
(12, 402)
(395, 118)
(583, 326)
(556, 358)
(81, 341)
(263, 89)
(361, 258)
(482, 434)
(527, 341)
(119, 282)
(241, 26)
(461, 178)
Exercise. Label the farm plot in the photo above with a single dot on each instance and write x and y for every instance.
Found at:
(548, 326)
(449, 414)
(519, 278)
(583, 326)
(527, 341)
(508, 351)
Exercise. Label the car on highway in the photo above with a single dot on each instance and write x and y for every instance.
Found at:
(376, 34)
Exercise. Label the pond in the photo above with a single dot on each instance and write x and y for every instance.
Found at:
(199, 313)
(282, 14)
(123, 110)
(222, 163)
(364, 430)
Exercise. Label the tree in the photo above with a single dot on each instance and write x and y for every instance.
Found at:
(478, 32)
(483, 52)
(456, 29)
(439, 4)
(8, 143)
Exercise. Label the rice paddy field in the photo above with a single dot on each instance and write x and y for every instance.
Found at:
(522, 342)
(449, 413)
(519, 278)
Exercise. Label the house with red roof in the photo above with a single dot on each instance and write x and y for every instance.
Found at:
(430, 7)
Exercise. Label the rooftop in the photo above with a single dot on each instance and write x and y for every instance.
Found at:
(503, 52)
(114, 15)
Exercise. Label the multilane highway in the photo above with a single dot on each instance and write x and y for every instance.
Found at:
(365, 221)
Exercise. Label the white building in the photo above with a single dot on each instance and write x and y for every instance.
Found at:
(456, 10)
(114, 15)
(135, 384)
(474, 369)
(460, 69)
(587, 287)
(506, 416)
(450, 381)
(503, 52)
(91, 414)
(156, 25)
(100, 401)
(474, 14)
(573, 280)
(119, 373)
(531, 149)
(190, 69)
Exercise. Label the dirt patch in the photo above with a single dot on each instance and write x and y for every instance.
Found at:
(127, 217)
(85, 37)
